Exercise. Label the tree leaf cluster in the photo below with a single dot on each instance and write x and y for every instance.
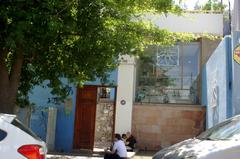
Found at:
(79, 40)
(213, 5)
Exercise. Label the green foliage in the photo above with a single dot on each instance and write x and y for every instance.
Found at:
(77, 39)
(213, 5)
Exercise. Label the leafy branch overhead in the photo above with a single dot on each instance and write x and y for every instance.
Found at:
(78, 40)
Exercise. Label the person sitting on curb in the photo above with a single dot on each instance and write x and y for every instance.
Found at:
(130, 141)
(124, 138)
(118, 151)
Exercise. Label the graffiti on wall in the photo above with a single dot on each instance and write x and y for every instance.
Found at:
(236, 54)
(214, 98)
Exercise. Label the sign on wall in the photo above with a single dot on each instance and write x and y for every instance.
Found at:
(168, 56)
(236, 54)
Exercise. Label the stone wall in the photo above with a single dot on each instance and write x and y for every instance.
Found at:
(104, 123)
(157, 125)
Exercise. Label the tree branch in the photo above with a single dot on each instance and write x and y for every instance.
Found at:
(4, 76)
(15, 73)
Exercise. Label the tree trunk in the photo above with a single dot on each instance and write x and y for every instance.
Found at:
(9, 82)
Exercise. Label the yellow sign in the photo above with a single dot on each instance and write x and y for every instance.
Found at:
(236, 54)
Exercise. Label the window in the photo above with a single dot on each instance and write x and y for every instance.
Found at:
(3, 134)
(168, 74)
(106, 94)
(226, 130)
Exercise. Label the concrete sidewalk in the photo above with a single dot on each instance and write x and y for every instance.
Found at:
(71, 157)
(132, 155)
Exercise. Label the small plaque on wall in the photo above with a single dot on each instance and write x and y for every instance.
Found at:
(123, 102)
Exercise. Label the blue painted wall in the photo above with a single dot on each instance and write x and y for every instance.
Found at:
(236, 76)
(38, 121)
(65, 126)
(216, 82)
(65, 120)
(43, 99)
(112, 79)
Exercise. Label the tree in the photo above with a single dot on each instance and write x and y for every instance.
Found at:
(214, 5)
(77, 39)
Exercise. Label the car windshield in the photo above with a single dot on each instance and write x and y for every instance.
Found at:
(227, 130)
(20, 125)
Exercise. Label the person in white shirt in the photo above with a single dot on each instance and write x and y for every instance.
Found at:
(118, 151)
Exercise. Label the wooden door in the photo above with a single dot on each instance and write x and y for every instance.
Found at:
(85, 115)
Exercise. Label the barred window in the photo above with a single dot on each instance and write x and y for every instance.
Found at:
(168, 74)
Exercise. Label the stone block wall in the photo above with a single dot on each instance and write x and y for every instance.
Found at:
(157, 125)
(104, 123)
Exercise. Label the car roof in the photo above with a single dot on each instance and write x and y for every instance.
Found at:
(7, 117)
(236, 117)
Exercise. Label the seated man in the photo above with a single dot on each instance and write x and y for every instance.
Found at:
(130, 141)
(118, 150)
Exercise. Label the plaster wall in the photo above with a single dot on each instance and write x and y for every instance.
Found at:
(190, 22)
(236, 76)
(125, 95)
(43, 99)
(215, 84)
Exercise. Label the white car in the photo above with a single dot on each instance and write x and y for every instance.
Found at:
(219, 142)
(19, 142)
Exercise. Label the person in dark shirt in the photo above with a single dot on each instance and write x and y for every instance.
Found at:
(124, 138)
(130, 141)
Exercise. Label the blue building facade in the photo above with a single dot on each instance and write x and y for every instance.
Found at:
(220, 82)
(216, 84)
(219, 95)
(235, 74)
(43, 99)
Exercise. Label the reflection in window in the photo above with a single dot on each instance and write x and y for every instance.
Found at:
(168, 74)
(106, 94)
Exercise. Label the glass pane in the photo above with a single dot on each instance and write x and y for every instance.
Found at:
(168, 74)
(190, 64)
(229, 129)
(3, 134)
(191, 54)
(106, 93)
